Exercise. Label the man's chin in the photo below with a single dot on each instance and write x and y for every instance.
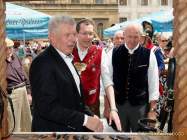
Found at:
(87, 44)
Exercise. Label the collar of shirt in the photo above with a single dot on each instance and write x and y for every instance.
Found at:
(68, 60)
(64, 56)
(131, 51)
(162, 50)
(11, 58)
(81, 53)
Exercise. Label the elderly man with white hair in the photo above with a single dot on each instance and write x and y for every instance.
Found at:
(135, 79)
(118, 38)
(163, 41)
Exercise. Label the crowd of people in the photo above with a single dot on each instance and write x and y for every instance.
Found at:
(56, 87)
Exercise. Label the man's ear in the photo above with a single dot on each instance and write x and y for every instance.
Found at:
(51, 38)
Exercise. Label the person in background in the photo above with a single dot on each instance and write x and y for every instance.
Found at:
(56, 88)
(109, 45)
(18, 87)
(146, 41)
(135, 79)
(27, 60)
(163, 41)
(118, 38)
(171, 50)
(89, 61)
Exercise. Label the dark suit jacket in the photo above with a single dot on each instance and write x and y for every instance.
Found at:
(57, 103)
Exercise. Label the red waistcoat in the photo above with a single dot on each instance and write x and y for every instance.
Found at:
(90, 77)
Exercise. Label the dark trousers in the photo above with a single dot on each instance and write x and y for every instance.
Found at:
(129, 116)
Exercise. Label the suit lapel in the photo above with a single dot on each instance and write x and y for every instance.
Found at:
(81, 89)
(61, 63)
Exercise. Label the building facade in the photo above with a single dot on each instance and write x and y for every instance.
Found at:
(103, 12)
(133, 9)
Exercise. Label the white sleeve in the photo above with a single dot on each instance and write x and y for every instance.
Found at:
(106, 68)
(85, 120)
(153, 78)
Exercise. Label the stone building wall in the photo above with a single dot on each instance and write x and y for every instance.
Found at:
(104, 14)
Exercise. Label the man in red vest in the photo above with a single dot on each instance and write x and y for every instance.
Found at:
(88, 62)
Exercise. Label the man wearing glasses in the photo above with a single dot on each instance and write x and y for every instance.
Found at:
(18, 88)
(162, 42)
(89, 61)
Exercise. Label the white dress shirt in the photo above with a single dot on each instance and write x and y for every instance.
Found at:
(81, 53)
(68, 60)
(107, 68)
(153, 75)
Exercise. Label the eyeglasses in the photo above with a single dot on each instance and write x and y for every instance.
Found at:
(87, 33)
(164, 40)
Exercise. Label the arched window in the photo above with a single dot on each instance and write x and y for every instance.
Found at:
(122, 2)
(98, 1)
(75, 1)
(122, 19)
(50, 2)
(164, 2)
(100, 30)
(144, 2)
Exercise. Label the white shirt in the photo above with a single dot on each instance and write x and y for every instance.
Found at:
(68, 60)
(153, 83)
(107, 68)
(81, 53)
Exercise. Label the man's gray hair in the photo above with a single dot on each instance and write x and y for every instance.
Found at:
(56, 21)
(137, 26)
(118, 32)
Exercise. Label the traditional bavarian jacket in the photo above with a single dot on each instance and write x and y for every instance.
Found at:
(130, 75)
(90, 77)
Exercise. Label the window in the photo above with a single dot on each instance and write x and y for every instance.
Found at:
(75, 1)
(123, 2)
(164, 2)
(100, 30)
(99, 1)
(50, 2)
(122, 19)
(144, 2)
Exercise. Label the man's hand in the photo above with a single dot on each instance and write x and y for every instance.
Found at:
(95, 116)
(152, 112)
(114, 116)
(94, 124)
(152, 115)
(29, 97)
